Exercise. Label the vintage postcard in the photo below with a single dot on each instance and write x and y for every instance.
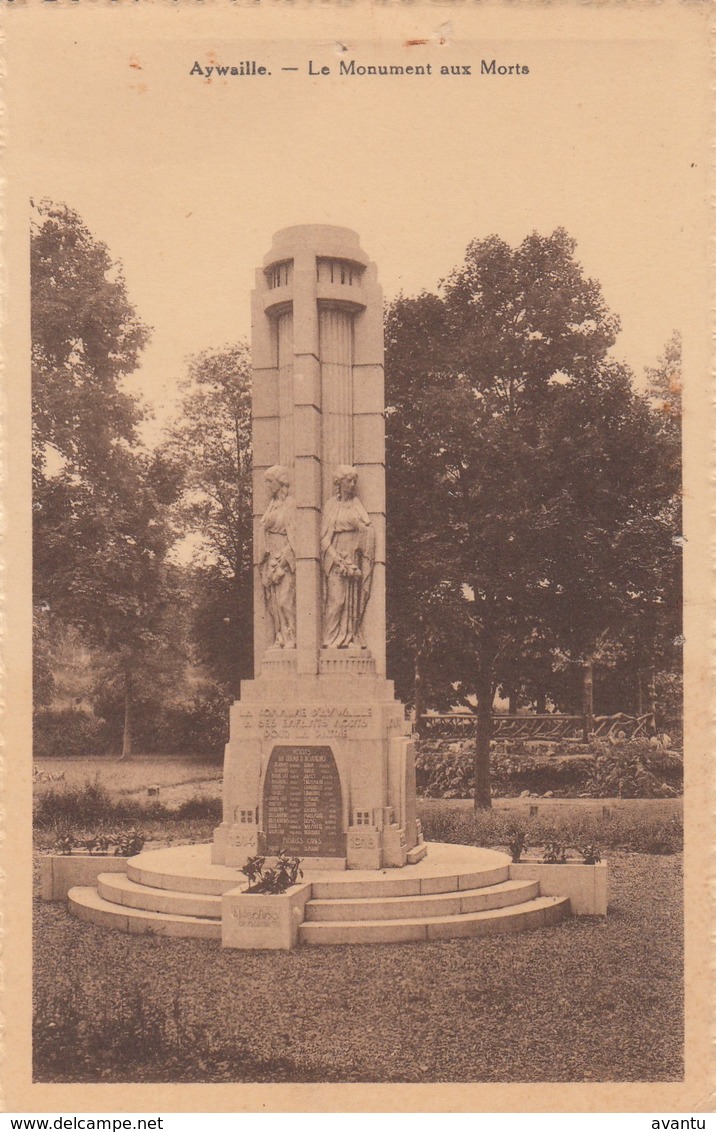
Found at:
(357, 631)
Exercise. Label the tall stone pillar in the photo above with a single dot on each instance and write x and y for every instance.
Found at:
(319, 761)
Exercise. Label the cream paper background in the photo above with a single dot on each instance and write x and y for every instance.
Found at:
(607, 136)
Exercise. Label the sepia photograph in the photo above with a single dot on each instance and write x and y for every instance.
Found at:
(358, 604)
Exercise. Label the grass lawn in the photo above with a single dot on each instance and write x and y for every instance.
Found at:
(178, 777)
(102, 790)
(590, 1000)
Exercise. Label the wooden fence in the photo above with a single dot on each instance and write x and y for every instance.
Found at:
(553, 727)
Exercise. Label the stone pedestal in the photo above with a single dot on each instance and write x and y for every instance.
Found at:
(322, 767)
(319, 761)
(251, 920)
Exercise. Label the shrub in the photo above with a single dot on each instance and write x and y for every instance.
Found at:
(129, 842)
(275, 879)
(97, 842)
(200, 807)
(517, 843)
(119, 1029)
(81, 806)
(632, 769)
(67, 733)
(445, 770)
(200, 726)
(640, 832)
(197, 726)
(662, 837)
(554, 853)
(89, 806)
(71, 1031)
(515, 768)
(92, 805)
(65, 841)
(123, 842)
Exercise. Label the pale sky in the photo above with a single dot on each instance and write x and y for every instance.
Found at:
(186, 181)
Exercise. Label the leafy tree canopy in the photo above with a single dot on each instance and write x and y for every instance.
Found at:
(85, 337)
(100, 523)
(528, 494)
(211, 444)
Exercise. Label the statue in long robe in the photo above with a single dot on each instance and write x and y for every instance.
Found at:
(348, 556)
(277, 557)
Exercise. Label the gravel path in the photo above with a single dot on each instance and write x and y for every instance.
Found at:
(591, 1000)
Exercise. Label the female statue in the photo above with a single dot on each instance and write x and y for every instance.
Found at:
(277, 557)
(348, 555)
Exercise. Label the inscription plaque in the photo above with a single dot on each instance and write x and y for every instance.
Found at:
(302, 802)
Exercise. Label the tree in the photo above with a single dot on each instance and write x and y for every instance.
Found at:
(528, 455)
(142, 652)
(520, 316)
(102, 561)
(664, 387)
(86, 337)
(43, 677)
(421, 595)
(100, 528)
(609, 492)
(211, 443)
(659, 644)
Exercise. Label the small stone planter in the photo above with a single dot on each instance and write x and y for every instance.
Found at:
(59, 872)
(585, 885)
(258, 920)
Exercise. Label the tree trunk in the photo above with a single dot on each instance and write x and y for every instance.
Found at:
(419, 684)
(651, 698)
(541, 703)
(588, 699)
(483, 798)
(127, 732)
(639, 693)
(512, 700)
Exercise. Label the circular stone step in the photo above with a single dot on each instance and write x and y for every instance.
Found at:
(457, 903)
(445, 868)
(541, 912)
(117, 888)
(184, 868)
(88, 905)
(457, 890)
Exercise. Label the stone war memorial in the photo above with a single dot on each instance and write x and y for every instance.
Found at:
(320, 762)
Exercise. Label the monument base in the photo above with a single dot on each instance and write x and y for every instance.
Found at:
(458, 891)
(321, 767)
(366, 848)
